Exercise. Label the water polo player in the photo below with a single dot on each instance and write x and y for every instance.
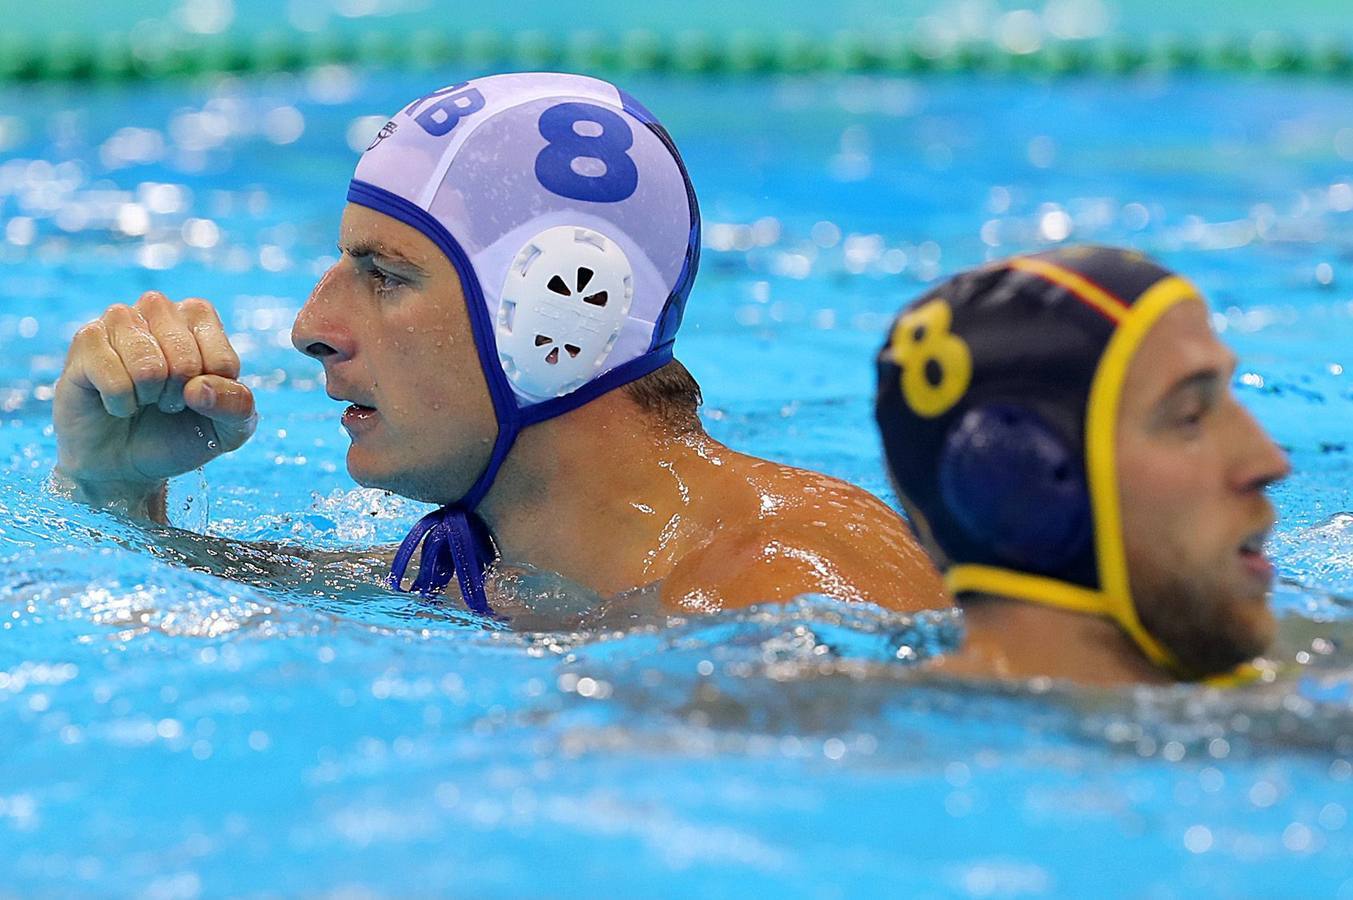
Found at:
(516, 256)
(1062, 432)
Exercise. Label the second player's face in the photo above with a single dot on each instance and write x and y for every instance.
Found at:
(1192, 468)
(389, 324)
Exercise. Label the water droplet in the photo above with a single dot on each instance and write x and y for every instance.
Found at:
(211, 445)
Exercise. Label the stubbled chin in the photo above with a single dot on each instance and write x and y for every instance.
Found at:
(1255, 626)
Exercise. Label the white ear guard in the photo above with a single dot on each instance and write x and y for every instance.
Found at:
(564, 301)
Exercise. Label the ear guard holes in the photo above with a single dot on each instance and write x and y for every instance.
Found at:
(564, 301)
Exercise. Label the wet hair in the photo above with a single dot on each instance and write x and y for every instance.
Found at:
(671, 395)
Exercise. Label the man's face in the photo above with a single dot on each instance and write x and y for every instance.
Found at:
(1192, 468)
(389, 323)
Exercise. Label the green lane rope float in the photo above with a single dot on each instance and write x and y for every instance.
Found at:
(115, 58)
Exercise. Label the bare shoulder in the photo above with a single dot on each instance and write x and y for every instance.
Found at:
(810, 534)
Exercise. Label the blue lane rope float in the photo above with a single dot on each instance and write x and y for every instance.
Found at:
(114, 58)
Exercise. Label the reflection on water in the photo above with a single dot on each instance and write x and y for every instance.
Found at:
(305, 710)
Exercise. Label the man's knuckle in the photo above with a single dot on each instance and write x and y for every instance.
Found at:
(123, 318)
(221, 359)
(144, 371)
(198, 308)
(90, 331)
(115, 387)
(182, 349)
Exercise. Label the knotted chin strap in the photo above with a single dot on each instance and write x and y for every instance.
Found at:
(455, 541)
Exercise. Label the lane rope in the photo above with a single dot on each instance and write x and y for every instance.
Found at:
(117, 58)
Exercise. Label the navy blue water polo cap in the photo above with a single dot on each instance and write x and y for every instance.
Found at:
(998, 396)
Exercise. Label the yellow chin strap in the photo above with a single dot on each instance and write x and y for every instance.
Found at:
(1113, 599)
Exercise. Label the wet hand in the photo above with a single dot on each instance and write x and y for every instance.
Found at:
(148, 392)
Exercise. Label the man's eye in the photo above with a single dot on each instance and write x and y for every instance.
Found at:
(384, 281)
(1190, 418)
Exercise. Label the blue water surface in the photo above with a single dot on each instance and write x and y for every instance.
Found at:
(186, 716)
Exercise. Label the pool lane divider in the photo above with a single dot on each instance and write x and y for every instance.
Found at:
(118, 58)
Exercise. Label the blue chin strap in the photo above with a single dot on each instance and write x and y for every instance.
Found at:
(455, 539)
(455, 542)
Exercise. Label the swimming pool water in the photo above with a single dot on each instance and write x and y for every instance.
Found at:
(259, 725)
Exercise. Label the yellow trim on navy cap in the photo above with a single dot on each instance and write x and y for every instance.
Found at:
(969, 577)
(1113, 598)
(1101, 427)
(1241, 676)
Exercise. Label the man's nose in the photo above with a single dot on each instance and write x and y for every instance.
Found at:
(318, 332)
(1260, 461)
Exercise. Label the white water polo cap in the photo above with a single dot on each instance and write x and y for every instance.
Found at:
(567, 213)
(529, 182)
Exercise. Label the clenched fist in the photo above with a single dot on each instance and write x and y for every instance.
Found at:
(148, 392)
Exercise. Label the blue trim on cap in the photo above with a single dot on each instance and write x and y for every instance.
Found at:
(397, 207)
(632, 106)
(669, 320)
(448, 537)
(603, 384)
(500, 392)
